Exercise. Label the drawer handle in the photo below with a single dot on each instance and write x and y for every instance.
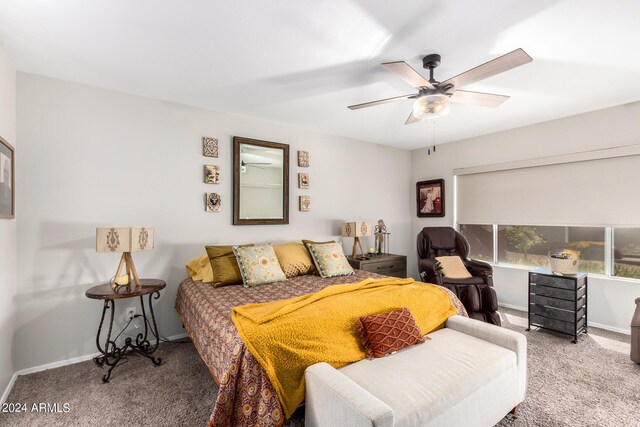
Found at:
(385, 267)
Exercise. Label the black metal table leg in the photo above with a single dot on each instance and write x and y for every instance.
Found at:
(143, 345)
(110, 354)
(100, 359)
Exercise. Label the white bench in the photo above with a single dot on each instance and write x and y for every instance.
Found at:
(470, 373)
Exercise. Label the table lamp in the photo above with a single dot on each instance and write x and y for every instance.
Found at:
(125, 240)
(356, 230)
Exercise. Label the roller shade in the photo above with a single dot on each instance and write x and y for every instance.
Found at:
(600, 192)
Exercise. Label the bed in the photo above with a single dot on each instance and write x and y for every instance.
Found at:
(246, 396)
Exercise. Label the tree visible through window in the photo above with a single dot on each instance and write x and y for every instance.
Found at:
(626, 252)
(480, 238)
(524, 238)
(531, 245)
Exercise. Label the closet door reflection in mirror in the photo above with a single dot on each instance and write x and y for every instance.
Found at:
(260, 182)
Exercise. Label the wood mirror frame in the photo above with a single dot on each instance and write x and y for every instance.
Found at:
(237, 220)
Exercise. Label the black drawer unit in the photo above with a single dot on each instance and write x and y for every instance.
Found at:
(558, 303)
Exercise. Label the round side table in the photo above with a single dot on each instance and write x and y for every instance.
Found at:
(111, 354)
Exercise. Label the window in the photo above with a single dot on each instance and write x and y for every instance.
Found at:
(531, 245)
(626, 252)
(480, 238)
(553, 190)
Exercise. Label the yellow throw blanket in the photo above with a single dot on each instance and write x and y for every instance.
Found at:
(288, 336)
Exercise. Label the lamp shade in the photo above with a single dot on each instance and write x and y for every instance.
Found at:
(435, 105)
(356, 229)
(124, 239)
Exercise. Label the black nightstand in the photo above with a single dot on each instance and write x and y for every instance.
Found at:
(558, 303)
(385, 264)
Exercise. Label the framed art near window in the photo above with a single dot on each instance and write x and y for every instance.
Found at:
(430, 198)
(7, 180)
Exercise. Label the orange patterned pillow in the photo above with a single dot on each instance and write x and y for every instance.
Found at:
(386, 333)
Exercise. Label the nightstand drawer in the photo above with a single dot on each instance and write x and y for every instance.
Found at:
(556, 325)
(556, 292)
(384, 267)
(556, 313)
(385, 264)
(557, 303)
(554, 282)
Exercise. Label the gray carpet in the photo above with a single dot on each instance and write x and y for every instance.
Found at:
(592, 383)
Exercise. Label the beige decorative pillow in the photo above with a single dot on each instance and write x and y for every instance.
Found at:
(258, 265)
(294, 259)
(306, 243)
(329, 259)
(453, 267)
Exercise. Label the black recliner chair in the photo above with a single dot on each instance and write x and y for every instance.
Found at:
(476, 293)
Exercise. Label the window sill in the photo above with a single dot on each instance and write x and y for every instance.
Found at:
(595, 275)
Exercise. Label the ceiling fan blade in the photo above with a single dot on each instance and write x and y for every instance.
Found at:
(478, 98)
(496, 66)
(380, 101)
(408, 74)
(411, 119)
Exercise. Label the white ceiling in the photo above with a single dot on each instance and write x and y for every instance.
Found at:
(302, 62)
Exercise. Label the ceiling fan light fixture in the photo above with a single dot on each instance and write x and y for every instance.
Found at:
(431, 106)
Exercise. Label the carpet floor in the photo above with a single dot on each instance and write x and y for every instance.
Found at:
(592, 383)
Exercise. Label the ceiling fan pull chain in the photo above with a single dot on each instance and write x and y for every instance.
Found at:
(431, 136)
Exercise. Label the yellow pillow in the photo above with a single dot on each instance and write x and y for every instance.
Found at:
(453, 267)
(200, 269)
(224, 266)
(294, 259)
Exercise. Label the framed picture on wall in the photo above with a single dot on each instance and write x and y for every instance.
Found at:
(7, 180)
(430, 198)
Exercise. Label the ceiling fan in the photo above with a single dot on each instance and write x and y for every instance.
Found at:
(433, 97)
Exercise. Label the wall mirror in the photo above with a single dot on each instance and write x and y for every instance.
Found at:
(260, 182)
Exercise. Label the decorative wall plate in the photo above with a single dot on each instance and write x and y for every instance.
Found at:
(209, 146)
(305, 203)
(213, 202)
(211, 174)
(303, 159)
(303, 180)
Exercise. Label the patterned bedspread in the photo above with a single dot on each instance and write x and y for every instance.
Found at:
(246, 396)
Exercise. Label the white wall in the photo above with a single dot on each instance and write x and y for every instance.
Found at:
(611, 302)
(7, 228)
(92, 157)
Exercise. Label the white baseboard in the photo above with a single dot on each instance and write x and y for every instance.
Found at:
(610, 328)
(177, 336)
(57, 364)
(513, 307)
(595, 325)
(12, 381)
(61, 363)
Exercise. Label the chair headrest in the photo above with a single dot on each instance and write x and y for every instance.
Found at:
(441, 237)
